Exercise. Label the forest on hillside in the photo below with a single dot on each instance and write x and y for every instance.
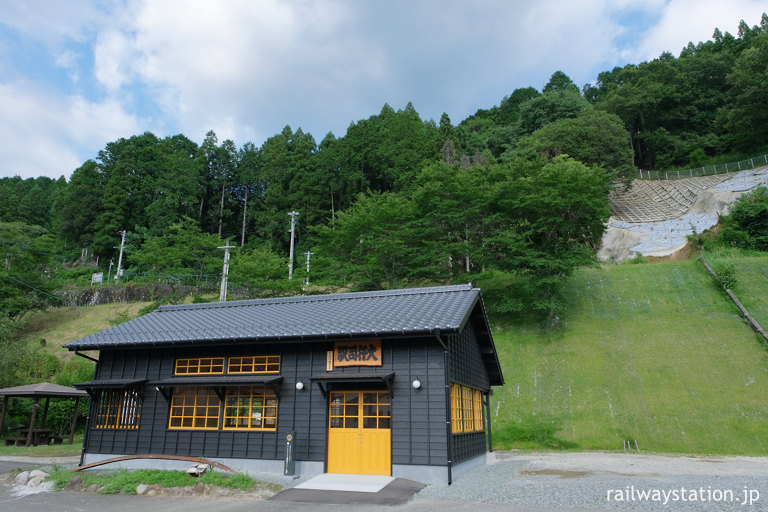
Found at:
(520, 188)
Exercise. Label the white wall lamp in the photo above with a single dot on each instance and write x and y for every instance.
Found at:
(299, 385)
(416, 383)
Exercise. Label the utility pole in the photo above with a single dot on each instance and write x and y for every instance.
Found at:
(245, 209)
(120, 258)
(306, 281)
(225, 272)
(290, 256)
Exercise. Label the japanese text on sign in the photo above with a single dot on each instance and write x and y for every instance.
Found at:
(357, 353)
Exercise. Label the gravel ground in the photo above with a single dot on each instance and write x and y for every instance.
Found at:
(613, 482)
(530, 482)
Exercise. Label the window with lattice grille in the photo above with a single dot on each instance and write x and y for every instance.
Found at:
(118, 409)
(466, 409)
(250, 408)
(199, 366)
(194, 408)
(254, 364)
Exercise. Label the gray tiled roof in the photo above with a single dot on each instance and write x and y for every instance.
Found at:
(417, 311)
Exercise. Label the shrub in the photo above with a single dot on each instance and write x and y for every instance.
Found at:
(726, 272)
(746, 225)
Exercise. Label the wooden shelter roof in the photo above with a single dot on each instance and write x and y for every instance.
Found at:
(43, 390)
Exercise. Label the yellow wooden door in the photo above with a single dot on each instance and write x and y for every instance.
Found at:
(359, 433)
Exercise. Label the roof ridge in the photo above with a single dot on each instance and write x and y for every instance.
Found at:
(320, 298)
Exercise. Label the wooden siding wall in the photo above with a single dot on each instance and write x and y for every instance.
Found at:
(418, 415)
(466, 363)
(467, 368)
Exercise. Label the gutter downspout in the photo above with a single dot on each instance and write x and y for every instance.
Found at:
(488, 419)
(449, 415)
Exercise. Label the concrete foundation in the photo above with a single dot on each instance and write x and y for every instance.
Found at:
(435, 475)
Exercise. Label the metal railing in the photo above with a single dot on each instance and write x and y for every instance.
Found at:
(203, 281)
(709, 170)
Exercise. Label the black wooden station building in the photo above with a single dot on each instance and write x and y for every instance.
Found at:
(390, 382)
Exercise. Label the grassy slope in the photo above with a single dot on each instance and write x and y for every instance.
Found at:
(652, 353)
(58, 326)
(752, 286)
(647, 352)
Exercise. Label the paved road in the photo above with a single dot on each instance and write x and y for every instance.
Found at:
(556, 482)
(11, 463)
(86, 502)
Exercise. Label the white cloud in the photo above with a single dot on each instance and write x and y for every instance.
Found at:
(246, 68)
(229, 67)
(45, 134)
(52, 22)
(684, 21)
(113, 57)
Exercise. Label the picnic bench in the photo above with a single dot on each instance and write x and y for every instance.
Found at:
(18, 441)
(40, 436)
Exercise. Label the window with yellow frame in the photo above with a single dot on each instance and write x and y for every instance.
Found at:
(250, 408)
(234, 364)
(466, 409)
(254, 364)
(194, 408)
(199, 366)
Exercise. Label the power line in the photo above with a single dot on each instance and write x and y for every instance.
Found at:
(33, 288)
(31, 249)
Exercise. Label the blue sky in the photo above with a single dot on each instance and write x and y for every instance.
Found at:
(77, 74)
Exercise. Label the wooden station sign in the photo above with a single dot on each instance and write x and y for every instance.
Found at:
(357, 353)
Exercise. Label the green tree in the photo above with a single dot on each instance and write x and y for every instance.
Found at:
(559, 81)
(457, 216)
(549, 107)
(342, 182)
(247, 178)
(594, 138)
(219, 167)
(183, 250)
(117, 207)
(29, 201)
(553, 217)
(746, 113)
(173, 192)
(259, 271)
(288, 180)
(372, 243)
(508, 111)
(27, 267)
(389, 149)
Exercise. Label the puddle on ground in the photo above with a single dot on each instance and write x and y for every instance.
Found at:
(555, 472)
